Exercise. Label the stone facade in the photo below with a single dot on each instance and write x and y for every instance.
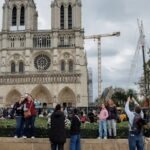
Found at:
(49, 64)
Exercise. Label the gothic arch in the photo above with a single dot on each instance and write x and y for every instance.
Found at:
(42, 93)
(14, 15)
(41, 52)
(22, 15)
(69, 17)
(66, 55)
(70, 65)
(67, 95)
(12, 96)
(63, 65)
(13, 67)
(21, 67)
(62, 17)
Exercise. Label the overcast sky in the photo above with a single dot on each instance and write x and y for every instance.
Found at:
(107, 16)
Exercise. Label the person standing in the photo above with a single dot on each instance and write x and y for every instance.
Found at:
(75, 131)
(57, 133)
(135, 138)
(29, 105)
(103, 115)
(112, 119)
(18, 110)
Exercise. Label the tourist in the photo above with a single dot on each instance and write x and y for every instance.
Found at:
(75, 132)
(29, 106)
(18, 111)
(103, 115)
(91, 116)
(57, 133)
(136, 123)
(112, 119)
(83, 117)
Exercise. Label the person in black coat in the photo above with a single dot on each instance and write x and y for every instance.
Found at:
(18, 111)
(57, 132)
(75, 132)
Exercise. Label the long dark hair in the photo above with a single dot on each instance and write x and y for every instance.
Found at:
(57, 108)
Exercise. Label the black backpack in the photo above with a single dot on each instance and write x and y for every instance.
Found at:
(138, 123)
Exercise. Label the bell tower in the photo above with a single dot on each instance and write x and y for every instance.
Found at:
(19, 15)
(66, 14)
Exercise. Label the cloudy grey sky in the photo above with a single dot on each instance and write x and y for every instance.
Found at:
(107, 16)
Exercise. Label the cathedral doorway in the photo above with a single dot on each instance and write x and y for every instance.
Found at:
(12, 97)
(42, 94)
(67, 97)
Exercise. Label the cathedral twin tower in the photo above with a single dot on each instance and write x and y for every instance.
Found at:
(49, 64)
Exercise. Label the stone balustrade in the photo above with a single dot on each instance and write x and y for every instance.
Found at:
(43, 78)
(86, 144)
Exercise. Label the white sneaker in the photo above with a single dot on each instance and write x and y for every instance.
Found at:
(105, 138)
(32, 137)
(24, 137)
(15, 136)
(99, 138)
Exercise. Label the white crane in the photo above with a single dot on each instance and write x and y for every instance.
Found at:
(140, 46)
(98, 38)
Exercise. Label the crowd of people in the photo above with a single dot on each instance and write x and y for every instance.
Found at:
(26, 109)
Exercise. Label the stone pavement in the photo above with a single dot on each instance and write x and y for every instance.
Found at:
(86, 144)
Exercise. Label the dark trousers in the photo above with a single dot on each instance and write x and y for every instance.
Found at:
(19, 126)
(55, 146)
(29, 129)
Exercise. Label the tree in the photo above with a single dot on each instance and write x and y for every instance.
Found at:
(119, 97)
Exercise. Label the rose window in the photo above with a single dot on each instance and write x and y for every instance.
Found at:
(42, 62)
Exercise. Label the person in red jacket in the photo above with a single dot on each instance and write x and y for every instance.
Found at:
(30, 120)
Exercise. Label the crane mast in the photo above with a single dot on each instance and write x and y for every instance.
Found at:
(98, 38)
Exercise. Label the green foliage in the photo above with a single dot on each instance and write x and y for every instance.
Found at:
(88, 130)
(120, 96)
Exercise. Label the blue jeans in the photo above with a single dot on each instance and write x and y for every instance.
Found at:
(136, 141)
(102, 128)
(19, 126)
(29, 126)
(75, 142)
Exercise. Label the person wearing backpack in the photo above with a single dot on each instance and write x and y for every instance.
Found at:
(75, 131)
(136, 123)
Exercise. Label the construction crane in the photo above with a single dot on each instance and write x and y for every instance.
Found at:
(140, 46)
(98, 38)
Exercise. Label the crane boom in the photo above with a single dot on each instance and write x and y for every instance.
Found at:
(102, 35)
(98, 38)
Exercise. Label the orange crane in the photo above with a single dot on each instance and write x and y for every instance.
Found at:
(98, 38)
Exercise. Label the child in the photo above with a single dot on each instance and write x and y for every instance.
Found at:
(102, 122)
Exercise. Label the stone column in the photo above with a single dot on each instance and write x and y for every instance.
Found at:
(66, 17)
(5, 17)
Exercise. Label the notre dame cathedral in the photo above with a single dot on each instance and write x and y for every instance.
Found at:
(50, 64)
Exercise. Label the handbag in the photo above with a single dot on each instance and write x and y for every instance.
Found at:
(27, 113)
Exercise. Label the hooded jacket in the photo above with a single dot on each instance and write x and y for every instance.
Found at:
(57, 131)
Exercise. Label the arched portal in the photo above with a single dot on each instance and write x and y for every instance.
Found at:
(42, 94)
(67, 96)
(12, 97)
